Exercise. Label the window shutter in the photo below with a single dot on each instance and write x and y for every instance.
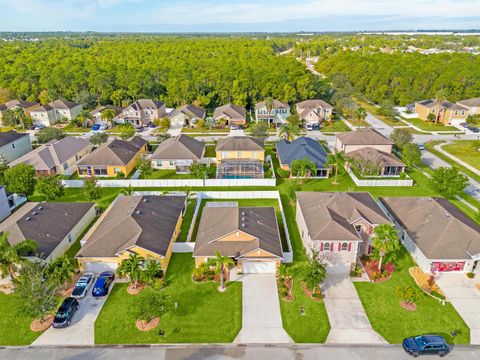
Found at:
(321, 246)
(339, 246)
(349, 246)
(331, 246)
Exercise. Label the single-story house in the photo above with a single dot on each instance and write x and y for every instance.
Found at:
(56, 111)
(249, 235)
(303, 148)
(387, 164)
(112, 158)
(314, 111)
(97, 114)
(240, 157)
(230, 113)
(54, 226)
(473, 105)
(142, 225)
(439, 236)
(445, 112)
(13, 145)
(186, 115)
(274, 113)
(178, 153)
(26, 106)
(57, 156)
(338, 224)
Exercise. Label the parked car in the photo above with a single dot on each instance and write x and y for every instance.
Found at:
(140, 129)
(473, 129)
(316, 126)
(102, 285)
(83, 285)
(39, 127)
(421, 147)
(465, 124)
(96, 127)
(103, 126)
(308, 127)
(426, 345)
(151, 125)
(64, 315)
(233, 127)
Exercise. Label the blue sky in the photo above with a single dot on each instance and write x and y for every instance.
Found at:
(240, 15)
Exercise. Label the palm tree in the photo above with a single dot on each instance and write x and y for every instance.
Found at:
(440, 97)
(289, 131)
(11, 255)
(221, 264)
(359, 115)
(61, 270)
(302, 167)
(152, 271)
(201, 270)
(132, 267)
(385, 239)
(108, 115)
(336, 159)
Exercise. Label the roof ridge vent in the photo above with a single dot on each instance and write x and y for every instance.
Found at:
(138, 212)
(447, 214)
(34, 213)
(243, 224)
(28, 218)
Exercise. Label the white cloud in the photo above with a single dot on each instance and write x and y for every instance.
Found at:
(111, 3)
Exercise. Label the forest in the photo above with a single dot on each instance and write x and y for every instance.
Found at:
(208, 71)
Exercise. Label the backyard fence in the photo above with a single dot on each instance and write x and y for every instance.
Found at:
(379, 182)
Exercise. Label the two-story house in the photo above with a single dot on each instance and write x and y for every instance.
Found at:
(98, 115)
(274, 112)
(56, 111)
(314, 111)
(142, 112)
(13, 145)
(444, 112)
(473, 106)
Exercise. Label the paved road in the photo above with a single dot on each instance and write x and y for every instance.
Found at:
(348, 321)
(228, 352)
(261, 317)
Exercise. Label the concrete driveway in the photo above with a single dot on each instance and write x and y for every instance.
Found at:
(348, 321)
(465, 298)
(261, 317)
(82, 329)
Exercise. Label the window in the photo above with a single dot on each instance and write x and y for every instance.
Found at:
(13, 145)
(239, 154)
(358, 228)
(344, 246)
(172, 162)
(65, 166)
(224, 155)
(327, 246)
(70, 239)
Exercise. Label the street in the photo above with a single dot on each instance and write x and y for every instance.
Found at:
(227, 352)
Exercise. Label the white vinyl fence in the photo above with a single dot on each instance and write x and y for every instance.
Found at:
(379, 182)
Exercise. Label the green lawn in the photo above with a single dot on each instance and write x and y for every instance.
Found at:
(205, 130)
(167, 174)
(393, 323)
(72, 128)
(14, 324)
(204, 315)
(336, 126)
(187, 220)
(430, 126)
(374, 111)
(464, 150)
(210, 151)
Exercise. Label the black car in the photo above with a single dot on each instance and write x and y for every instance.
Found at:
(140, 129)
(65, 312)
(473, 129)
(426, 345)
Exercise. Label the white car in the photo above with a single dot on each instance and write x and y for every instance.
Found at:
(83, 285)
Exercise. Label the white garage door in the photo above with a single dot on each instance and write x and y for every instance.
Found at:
(259, 267)
(98, 267)
(341, 267)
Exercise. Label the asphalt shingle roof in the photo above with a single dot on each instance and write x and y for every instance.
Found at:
(181, 147)
(301, 148)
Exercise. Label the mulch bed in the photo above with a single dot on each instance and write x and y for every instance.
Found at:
(135, 290)
(38, 325)
(409, 306)
(142, 325)
(310, 295)
(371, 270)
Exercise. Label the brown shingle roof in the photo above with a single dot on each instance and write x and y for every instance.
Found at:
(216, 222)
(116, 152)
(141, 104)
(145, 221)
(8, 137)
(239, 143)
(330, 216)
(275, 105)
(47, 226)
(437, 227)
(363, 136)
(181, 147)
(383, 158)
(230, 111)
(314, 103)
(470, 102)
(190, 110)
(446, 104)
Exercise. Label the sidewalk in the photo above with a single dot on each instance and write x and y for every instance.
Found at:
(454, 158)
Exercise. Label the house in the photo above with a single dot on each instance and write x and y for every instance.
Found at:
(186, 115)
(178, 153)
(473, 105)
(54, 226)
(142, 112)
(143, 225)
(367, 145)
(55, 111)
(57, 156)
(239, 157)
(439, 236)
(274, 113)
(444, 112)
(13, 145)
(303, 148)
(248, 235)
(97, 114)
(26, 106)
(230, 113)
(112, 158)
(9, 202)
(314, 111)
(339, 225)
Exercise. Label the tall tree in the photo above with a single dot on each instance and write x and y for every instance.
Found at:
(337, 160)
(221, 264)
(132, 267)
(288, 131)
(303, 168)
(385, 240)
(401, 137)
(360, 115)
(108, 115)
(449, 182)
(20, 179)
(11, 255)
(49, 187)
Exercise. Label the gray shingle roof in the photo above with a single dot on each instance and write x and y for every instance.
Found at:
(239, 143)
(437, 227)
(446, 104)
(314, 104)
(363, 136)
(8, 137)
(48, 226)
(301, 148)
(275, 104)
(230, 111)
(63, 104)
(259, 222)
(470, 102)
(181, 147)
(146, 221)
(116, 152)
(189, 110)
(19, 103)
(383, 158)
(141, 104)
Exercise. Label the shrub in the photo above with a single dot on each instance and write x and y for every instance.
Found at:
(389, 268)
(283, 173)
(470, 275)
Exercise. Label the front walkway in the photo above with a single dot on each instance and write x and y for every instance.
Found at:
(261, 317)
(465, 298)
(348, 321)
